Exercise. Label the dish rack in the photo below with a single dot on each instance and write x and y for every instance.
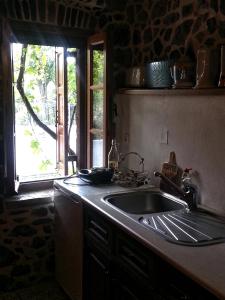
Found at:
(128, 177)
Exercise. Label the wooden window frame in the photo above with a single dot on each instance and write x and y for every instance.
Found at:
(44, 35)
(100, 38)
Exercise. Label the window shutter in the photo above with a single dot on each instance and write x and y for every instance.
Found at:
(61, 114)
(9, 130)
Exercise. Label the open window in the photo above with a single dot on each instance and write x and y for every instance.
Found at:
(97, 110)
(44, 105)
(45, 102)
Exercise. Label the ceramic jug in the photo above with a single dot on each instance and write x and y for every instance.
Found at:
(204, 74)
(182, 73)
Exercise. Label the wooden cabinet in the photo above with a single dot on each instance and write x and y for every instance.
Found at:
(118, 267)
(69, 243)
(97, 280)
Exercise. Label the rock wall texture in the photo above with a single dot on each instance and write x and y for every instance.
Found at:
(26, 244)
(146, 30)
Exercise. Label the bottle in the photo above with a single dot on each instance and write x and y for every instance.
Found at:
(113, 156)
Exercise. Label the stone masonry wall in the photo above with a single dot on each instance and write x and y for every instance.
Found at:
(146, 30)
(26, 244)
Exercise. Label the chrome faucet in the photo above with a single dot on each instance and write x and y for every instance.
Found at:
(124, 155)
(188, 194)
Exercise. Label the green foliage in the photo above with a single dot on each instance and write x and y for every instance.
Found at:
(44, 165)
(98, 109)
(98, 67)
(27, 132)
(98, 76)
(36, 108)
(71, 81)
(40, 63)
(35, 146)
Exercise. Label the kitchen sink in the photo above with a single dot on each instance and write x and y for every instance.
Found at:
(169, 217)
(145, 202)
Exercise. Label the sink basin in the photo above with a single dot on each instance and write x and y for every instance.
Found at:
(145, 202)
(169, 217)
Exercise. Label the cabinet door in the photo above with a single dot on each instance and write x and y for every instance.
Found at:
(69, 243)
(122, 291)
(96, 275)
(124, 288)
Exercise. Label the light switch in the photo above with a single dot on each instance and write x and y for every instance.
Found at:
(164, 136)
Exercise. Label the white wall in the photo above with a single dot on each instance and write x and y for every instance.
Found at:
(196, 126)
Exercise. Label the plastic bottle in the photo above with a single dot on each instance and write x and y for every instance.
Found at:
(113, 156)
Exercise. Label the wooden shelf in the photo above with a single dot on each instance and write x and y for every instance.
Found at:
(164, 92)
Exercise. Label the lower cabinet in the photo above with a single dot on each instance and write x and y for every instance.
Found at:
(97, 280)
(117, 267)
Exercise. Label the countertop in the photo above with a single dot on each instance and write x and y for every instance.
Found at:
(205, 264)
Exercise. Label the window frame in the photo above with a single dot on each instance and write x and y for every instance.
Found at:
(96, 39)
(13, 31)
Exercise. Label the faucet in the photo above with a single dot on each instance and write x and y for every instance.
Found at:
(123, 156)
(188, 194)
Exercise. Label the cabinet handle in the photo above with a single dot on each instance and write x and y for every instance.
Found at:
(98, 230)
(100, 264)
(178, 293)
(75, 201)
(135, 261)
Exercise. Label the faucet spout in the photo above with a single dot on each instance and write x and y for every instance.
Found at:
(187, 195)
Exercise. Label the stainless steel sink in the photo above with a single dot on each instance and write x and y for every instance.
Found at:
(169, 217)
(145, 202)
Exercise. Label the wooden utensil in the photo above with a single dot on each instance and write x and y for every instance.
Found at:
(170, 169)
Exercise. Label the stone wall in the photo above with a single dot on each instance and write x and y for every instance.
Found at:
(26, 243)
(148, 30)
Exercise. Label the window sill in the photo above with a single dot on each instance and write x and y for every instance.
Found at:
(35, 186)
(31, 193)
(27, 199)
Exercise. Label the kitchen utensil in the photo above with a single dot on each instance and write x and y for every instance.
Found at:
(204, 74)
(158, 75)
(183, 72)
(135, 77)
(170, 169)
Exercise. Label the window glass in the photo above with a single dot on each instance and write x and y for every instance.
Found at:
(97, 150)
(37, 114)
(98, 107)
(35, 109)
(98, 66)
(97, 101)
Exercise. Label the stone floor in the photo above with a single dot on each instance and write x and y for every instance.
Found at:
(48, 290)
